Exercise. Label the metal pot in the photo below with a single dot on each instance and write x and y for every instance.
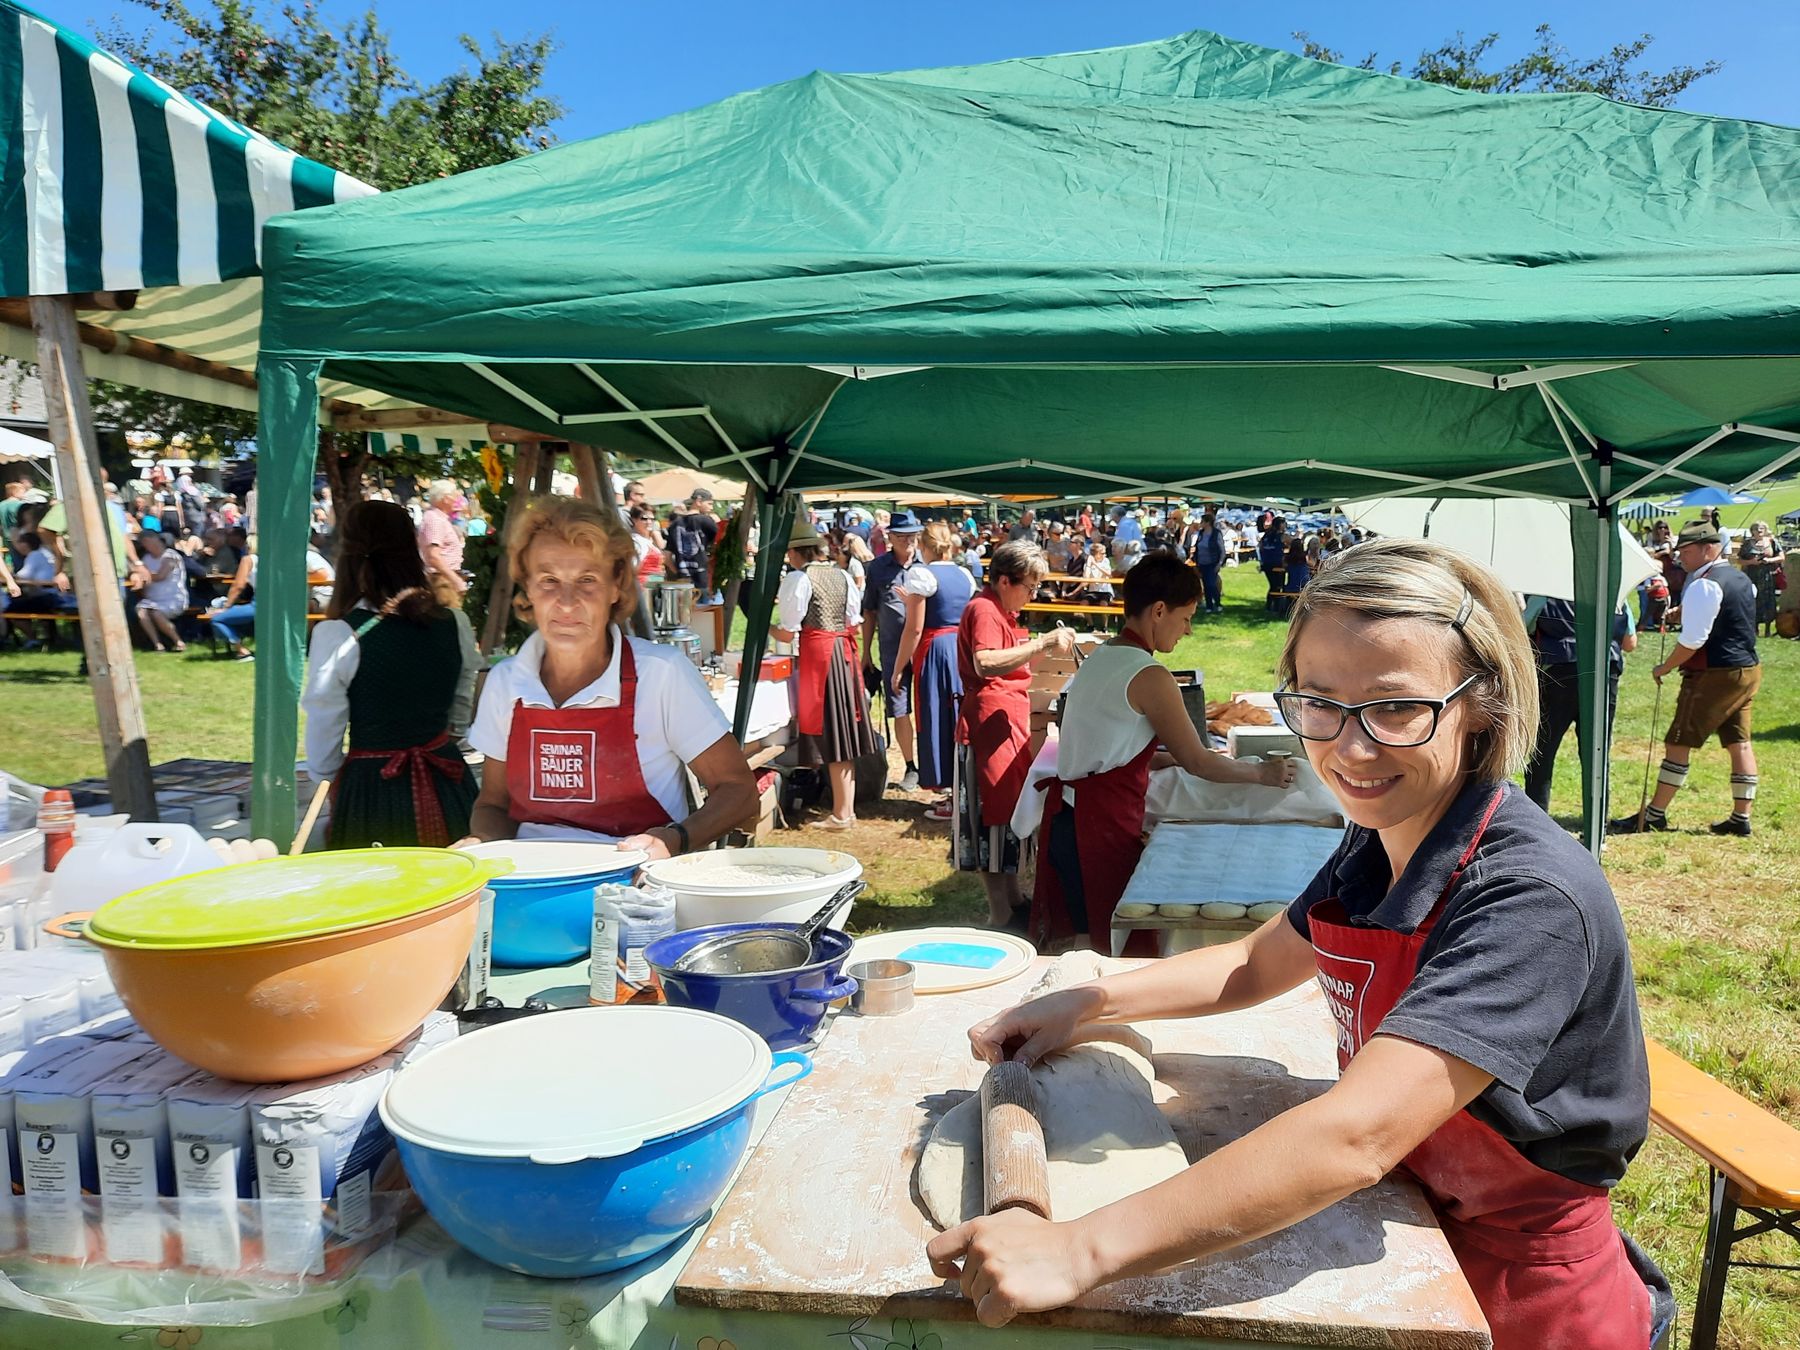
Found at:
(671, 603)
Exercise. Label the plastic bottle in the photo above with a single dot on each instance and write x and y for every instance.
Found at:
(56, 818)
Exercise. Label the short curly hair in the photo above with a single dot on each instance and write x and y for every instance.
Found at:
(580, 525)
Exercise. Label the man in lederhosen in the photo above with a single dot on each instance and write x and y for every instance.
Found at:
(1720, 674)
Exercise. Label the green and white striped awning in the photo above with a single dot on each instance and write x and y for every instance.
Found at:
(111, 180)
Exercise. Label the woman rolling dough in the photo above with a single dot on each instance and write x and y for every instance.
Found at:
(1121, 704)
(1476, 966)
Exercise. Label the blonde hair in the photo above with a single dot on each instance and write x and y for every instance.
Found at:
(1417, 579)
(938, 541)
(578, 524)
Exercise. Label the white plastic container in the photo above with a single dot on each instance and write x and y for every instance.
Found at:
(723, 885)
(115, 861)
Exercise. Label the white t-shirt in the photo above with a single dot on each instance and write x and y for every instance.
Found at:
(39, 565)
(796, 594)
(332, 662)
(677, 719)
(1100, 728)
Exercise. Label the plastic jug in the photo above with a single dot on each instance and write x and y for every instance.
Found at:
(111, 862)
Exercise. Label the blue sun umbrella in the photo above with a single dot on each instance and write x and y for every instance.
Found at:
(1712, 496)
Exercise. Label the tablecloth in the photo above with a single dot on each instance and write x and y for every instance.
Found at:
(771, 707)
(426, 1293)
(1176, 794)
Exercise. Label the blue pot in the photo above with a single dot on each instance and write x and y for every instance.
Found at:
(575, 1219)
(786, 1008)
(544, 913)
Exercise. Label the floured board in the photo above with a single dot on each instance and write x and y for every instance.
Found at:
(825, 1219)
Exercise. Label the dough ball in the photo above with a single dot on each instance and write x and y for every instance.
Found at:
(1223, 909)
(1132, 909)
(1178, 911)
(1267, 910)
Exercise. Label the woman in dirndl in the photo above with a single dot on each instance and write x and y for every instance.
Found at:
(936, 595)
(993, 727)
(819, 606)
(396, 669)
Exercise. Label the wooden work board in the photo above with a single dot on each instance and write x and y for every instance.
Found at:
(825, 1217)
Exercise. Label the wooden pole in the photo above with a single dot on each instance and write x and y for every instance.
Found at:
(104, 636)
(745, 524)
(546, 470)
(595, 474)
(524, 476)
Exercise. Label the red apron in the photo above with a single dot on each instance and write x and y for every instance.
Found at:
(579, 766)
(929, 636)
(817, 646)
(420, 761)
(1109, 840)
(1541, 1253)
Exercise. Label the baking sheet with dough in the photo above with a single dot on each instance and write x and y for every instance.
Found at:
(1244, 864)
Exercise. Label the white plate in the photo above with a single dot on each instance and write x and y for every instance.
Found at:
(940, 979)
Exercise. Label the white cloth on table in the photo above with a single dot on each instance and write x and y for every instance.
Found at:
(677, 719)
(332, 662)
(796, 594)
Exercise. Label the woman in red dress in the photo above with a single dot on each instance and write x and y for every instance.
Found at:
(993, 730)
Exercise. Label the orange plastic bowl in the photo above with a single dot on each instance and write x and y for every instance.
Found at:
(277, 1012)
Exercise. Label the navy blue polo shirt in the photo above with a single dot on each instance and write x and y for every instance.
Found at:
(1526, 975)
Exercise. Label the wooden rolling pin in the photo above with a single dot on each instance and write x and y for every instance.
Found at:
(1014, 1165)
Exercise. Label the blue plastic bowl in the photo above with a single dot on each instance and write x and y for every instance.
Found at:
(543, 915)
(786, 1008)
(579, 1216)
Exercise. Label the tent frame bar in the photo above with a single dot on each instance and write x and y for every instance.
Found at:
(1518, 379)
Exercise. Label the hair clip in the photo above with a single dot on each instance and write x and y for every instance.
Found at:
(1463, 611)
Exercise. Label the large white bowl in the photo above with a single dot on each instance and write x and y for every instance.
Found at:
(704, 894)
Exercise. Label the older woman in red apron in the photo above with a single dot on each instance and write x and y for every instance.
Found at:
(993, 728)
(1475, 967)
(590, 733)
(819, 606)
(1120, 706)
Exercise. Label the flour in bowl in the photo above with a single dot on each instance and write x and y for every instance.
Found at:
(750, 874)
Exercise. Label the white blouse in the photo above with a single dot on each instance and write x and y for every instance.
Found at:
(796, 594)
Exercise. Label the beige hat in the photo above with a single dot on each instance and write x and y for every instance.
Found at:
(803, 533)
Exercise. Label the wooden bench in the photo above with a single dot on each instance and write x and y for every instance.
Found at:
(1070, 607)
(1754, 1158)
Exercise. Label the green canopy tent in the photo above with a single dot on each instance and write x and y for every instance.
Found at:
(1191, 266)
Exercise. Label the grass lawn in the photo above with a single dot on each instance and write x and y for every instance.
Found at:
(1715, 924)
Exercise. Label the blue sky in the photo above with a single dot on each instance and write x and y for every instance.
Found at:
(620, 64)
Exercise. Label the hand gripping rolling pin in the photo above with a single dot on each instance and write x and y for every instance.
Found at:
(1015, 1169)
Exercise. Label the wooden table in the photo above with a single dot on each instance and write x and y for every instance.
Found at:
(825, 1219)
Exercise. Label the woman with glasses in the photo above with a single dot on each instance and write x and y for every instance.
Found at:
(1122, 704)
(1477, 972)
(590, 733)
(646, 541)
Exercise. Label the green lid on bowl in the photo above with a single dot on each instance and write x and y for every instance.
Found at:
(281, 899)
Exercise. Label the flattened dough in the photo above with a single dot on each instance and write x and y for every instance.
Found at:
(1267, 910)
(1223, 909)
(1178, 911)
(1104, 1134)
(1132, 909)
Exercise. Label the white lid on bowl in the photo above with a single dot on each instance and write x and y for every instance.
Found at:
(550, 858)
(728, 871)
(560, 1087)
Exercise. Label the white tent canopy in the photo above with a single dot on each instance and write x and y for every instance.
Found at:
(1526, 542)
(16, 447)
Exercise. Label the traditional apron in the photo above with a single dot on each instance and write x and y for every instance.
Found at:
(994, 721)
(1540, 1251)
(929, 636)
(817, 647)
(1109, 840)
(579, 766)
(419, 762)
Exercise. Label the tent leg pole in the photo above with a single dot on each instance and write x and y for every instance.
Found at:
(112, 673)
(1597, 566)
(778, 521)
(524, 474)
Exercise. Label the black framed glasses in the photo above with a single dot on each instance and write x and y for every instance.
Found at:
(1396, 722)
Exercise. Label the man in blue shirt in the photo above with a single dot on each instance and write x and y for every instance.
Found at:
(1551, 624)
(884, 616)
